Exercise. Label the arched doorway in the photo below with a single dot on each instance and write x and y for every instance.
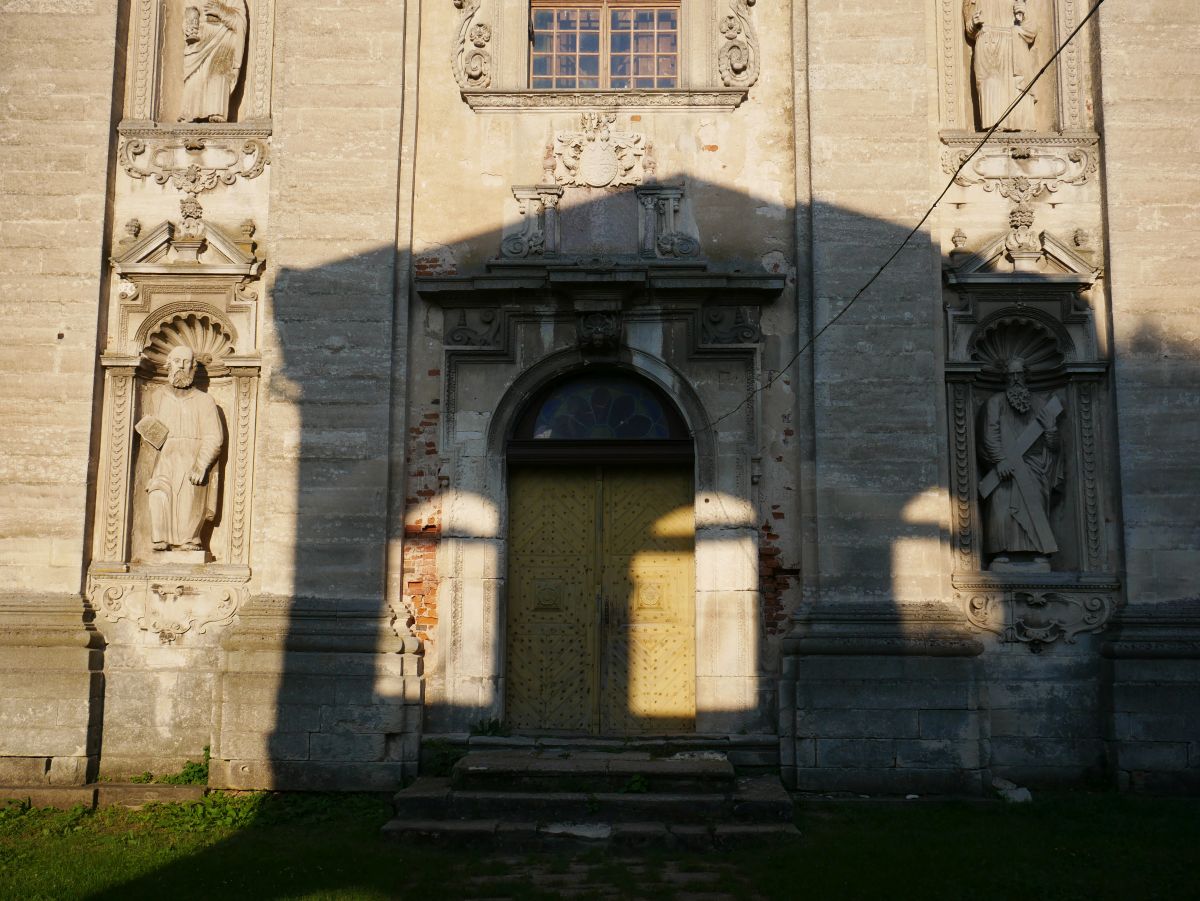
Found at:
(601, 561)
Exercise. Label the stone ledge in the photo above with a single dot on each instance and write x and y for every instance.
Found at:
(716, 99)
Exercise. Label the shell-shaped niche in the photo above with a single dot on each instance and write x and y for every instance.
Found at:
(999, 341)
(204, 333)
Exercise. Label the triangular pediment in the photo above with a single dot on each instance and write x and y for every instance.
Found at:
(1057, 263)
(158, 252)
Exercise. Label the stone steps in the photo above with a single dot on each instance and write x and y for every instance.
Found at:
(592, 771)
(547, 796)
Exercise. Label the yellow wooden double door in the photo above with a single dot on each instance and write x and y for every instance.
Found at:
(601, 608)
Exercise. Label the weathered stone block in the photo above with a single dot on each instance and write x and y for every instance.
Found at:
(934, 754)
(346, 746)
(828, 723)
(1152, 755)
(855, 752)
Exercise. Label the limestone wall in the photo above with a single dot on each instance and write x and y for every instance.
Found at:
(57, 68)
(1150, 108)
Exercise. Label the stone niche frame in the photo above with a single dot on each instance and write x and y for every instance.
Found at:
(1045, 293)
(1070, 88)
(695, 335)
(194, 156)
(718, 50)
(148, 53)
(194, 285)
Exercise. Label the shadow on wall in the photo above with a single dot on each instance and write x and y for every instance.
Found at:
(355, 453)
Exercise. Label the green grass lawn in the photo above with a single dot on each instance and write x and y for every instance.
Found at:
(1066, 846)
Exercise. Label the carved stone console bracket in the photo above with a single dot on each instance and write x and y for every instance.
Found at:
(470, 59)
(1038, 613)
(658, 232)
(194, 158)
(738, 55)
(1022, 167)
(538, 235)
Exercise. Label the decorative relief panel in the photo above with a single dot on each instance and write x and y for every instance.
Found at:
(1038, 617)
(1021, 170)
(194, 159)
(659, 231)
(470, 59)
(729, 325)
(738, 56)
(598, 155)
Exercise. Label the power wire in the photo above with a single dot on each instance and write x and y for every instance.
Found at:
(929, 212)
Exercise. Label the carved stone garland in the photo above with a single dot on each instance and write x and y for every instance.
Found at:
(738, 55)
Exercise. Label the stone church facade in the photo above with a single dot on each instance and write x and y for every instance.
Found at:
(376, 373)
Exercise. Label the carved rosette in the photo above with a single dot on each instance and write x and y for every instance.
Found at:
(470, 58)
(1038, 617)
(738, 55)
(598, 155)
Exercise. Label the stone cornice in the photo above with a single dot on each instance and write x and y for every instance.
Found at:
(714, 99)
(632, 282)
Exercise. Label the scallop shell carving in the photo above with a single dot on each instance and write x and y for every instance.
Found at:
(1003, 339)
(201, 332)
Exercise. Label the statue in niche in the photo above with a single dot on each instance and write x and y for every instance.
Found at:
(183, 425)
(1003, 40)
(1019, 438)
(214, 43)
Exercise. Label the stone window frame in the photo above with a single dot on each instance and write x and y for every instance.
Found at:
(605, 34)
(718, 52)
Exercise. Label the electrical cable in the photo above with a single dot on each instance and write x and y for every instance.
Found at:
(929, 212)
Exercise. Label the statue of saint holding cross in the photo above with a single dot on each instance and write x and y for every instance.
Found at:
(1019, 438)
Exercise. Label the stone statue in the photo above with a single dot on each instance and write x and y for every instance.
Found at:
(1004, 64)
(214, 45)
(182, 423)
(1019, 437)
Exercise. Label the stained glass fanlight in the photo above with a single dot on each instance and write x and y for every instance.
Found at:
(600, 408)
(600, 414)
